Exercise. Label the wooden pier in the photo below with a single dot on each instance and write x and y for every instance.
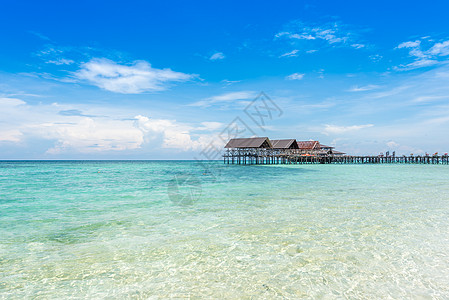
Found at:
(261, 159)
(262, 151)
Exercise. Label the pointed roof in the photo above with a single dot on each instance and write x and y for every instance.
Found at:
(309, 145)
(258, 142)
(284, 144)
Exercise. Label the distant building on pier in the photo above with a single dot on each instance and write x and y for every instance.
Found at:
(281, 147)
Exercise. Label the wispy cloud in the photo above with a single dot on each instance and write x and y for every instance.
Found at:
(295, 76)
(217, 56)
(9, 102)
(434, 54)
(375, 57)
(136, 78)
(358, 46)
(292, 53)
(364, 88)
(226, 98)
(335, 129)
(441, 49)
(332, 34)
(39, 35)
(61, 61)
(229, 82)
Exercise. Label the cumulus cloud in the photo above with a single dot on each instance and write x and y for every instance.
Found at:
(334, 129)
(217, 56)
(176, 135)
(70, 130)
(136, 78)
(295, 76)
(87, 135)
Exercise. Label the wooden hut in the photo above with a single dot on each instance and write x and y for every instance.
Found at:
(249, 143)
(249, 150)
(285, 144)
(309, 147)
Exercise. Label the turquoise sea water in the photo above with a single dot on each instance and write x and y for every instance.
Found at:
(167, 229)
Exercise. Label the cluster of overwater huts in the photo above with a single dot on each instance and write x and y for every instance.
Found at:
(264, 145)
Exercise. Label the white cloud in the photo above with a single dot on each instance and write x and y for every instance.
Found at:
(334, 129)
(375, 57)
(175, 135)
(417, 64)
(331, 33)
(423, 58)
(61, 61)
(358, 46)
(364, 88)
(392, 144)
(133, 79)
(422, 99)
(210, 126)
(225, 98)
(217, 56)
(410, 44)
(295, 76)
(229, 82)
(441, 49)
(10, 135)
(87, 135)
(292, 53)
(9, 102)
(81, 132)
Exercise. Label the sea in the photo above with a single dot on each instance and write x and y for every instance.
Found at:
(195, 230)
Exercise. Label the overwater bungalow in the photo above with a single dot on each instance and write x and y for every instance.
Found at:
(316, 148)
(262, 150)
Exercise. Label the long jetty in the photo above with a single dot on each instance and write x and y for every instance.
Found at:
(261, 159)
(263, 151)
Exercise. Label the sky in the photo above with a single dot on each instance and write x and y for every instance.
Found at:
(175, 79)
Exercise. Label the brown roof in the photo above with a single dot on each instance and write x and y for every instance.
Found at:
(309, 145)
(325, 146)
(284, 144)
(337, 152)
(259, 142)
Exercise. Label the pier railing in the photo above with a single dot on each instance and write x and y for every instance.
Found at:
(273, 156)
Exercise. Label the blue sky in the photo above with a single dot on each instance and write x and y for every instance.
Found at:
(162, 80)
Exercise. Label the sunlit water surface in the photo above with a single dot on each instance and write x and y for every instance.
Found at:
(125, 230)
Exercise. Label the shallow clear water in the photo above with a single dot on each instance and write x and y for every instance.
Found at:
(172, 230)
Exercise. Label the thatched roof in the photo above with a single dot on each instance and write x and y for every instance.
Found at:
(259, 142)
(284, 144)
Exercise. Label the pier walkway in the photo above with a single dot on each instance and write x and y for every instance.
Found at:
(253, 159)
